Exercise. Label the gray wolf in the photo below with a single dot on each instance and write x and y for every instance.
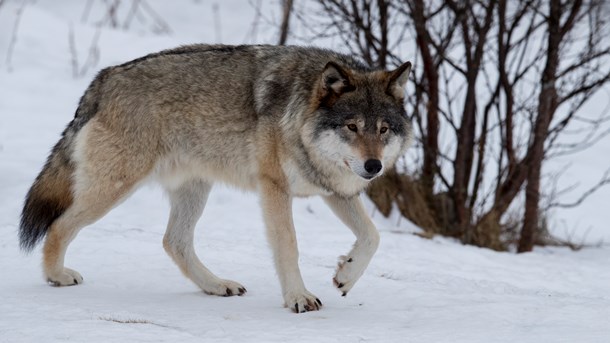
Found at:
(283, 121)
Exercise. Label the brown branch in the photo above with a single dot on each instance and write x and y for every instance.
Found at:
(584, 60)
(567, 26)
(585, 88)
(506, 86)
(547, 104)
(465, 148)
(605, 180)
(285, 26)
(431, 85)
(382, 6)
(480, 167)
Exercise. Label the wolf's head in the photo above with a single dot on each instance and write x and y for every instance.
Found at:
(359, 123)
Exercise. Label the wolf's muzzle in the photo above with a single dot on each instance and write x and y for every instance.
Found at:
(373, 166)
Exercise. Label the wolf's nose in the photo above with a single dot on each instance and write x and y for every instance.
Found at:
(372, 166)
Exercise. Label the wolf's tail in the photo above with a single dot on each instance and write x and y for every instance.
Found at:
(51, 193)
(48, 198)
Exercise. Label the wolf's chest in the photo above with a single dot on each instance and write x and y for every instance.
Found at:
(299, 185)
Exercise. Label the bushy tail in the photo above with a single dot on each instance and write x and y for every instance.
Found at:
(51, 193)
(49, 197)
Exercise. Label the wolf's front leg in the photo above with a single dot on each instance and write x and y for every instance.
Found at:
(351, 267)
(277, 212)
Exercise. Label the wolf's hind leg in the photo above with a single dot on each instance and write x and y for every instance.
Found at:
(104, 175)
(187, 203)
(351, 267)
(61, 233)
(86, 209)
(90, 203)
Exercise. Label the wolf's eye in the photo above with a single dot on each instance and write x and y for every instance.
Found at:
(383, 130)
(352, 127)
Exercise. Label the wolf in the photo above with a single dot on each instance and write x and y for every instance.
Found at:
(285, 121)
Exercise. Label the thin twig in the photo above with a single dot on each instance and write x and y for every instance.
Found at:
(285, 27)
(605, 180)
(73, 53)
(86, 11)
(217, 26)
(13, 42)
(131, 14)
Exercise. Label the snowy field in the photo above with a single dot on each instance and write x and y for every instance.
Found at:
(415, 290)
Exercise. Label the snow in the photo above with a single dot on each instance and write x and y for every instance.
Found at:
(415, 290)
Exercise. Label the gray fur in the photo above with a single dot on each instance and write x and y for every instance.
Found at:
(284, 121)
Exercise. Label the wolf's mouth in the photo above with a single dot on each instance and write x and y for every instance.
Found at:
(371, 176)
(368, 177)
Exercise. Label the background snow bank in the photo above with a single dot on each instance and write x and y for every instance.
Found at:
(414, 290)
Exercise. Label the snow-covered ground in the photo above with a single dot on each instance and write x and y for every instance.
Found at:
(415, 290)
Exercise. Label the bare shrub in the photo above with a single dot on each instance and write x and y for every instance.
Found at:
(498, 90)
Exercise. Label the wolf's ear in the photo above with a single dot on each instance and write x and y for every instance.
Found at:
(335, 80)
(398, 80)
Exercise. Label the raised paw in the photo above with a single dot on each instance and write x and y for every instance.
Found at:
(225, 288)
(67, 277)
(349, 270)
(300, 302)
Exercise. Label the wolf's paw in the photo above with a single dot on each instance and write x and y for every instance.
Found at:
(300, 302)
(67, 277)
(224, 288)
(348, 272)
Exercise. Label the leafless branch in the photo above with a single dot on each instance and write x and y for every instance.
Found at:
(483, 142)
(602, 182)
(13, 41)
(285, 26)
(161, 25)
(93, 53)
(86, 11)
(217, 25)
